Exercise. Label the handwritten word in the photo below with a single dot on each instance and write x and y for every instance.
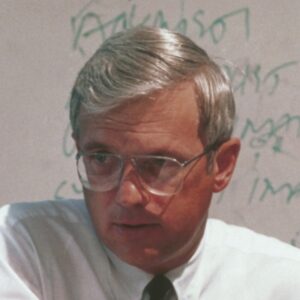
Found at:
(254, 75)
(64, 188)
(68, 145)
(270, 130)
(88, 23)
(218, 27)
(265, 188)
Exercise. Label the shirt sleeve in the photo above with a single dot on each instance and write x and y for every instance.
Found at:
(19, 268)
(13, 287)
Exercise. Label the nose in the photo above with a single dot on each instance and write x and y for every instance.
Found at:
(130, 190)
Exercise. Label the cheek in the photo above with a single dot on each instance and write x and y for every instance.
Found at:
(188, 210)
(98, 207)
(185, 222)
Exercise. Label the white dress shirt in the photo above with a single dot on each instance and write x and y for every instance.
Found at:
(49, 250)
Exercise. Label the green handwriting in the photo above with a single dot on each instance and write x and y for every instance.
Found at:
(254, 76)
(218, 27)
(64, 187)
(89, 22)
(68, 145)
(265, 188)
(270, 132)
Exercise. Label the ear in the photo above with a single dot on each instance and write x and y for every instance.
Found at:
(224, 163)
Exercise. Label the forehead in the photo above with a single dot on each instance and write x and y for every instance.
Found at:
(165, 116)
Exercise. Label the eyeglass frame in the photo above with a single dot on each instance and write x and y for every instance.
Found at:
(131, 158)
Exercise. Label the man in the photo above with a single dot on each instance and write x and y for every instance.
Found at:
(152, 118)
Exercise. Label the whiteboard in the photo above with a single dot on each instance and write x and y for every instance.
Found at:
(45, 43)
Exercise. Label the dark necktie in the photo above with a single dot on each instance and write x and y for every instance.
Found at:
(159, 288)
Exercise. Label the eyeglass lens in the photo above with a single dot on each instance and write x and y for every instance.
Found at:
(102, 172)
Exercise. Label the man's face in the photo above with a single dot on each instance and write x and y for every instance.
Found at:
(154, 233)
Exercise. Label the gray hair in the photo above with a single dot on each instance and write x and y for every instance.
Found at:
(142, 60)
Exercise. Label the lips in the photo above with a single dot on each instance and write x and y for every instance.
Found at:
(135, 225)
(134, 221)
(134, 230)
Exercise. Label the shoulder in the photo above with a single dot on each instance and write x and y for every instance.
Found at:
(69, 211)
(250, 259)
(34, 225)
(244, 240)
(51, 237)
(46, 225)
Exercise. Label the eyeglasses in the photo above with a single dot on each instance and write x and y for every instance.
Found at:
(160, 175)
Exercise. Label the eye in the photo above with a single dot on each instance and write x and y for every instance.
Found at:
(101, 157)
(101, 163)
(158, 162)
(150, 166)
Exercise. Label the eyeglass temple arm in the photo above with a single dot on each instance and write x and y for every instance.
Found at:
(206, 151)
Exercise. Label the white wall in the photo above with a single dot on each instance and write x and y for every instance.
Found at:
(43, 44)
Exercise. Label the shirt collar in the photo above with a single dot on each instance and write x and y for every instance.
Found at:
(131, 281)
(184, 277)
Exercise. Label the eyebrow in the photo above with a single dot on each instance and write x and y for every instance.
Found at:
(94, 145)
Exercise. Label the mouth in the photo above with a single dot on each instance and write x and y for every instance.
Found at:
(134, 226)
(135, 231)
